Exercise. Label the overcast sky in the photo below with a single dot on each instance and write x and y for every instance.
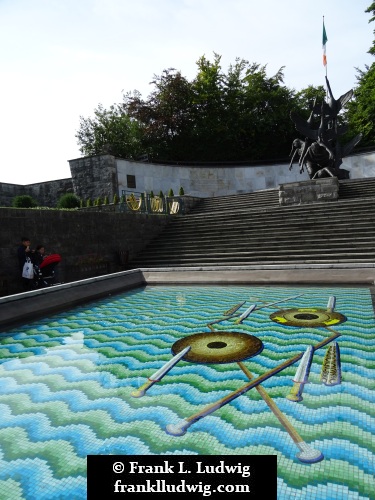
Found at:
(61, 58)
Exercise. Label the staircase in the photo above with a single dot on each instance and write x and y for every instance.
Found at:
(252, 229)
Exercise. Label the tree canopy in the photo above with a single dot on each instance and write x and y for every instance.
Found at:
(361, 110)
(241, 114)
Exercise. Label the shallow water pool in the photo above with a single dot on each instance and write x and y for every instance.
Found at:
(66, 386)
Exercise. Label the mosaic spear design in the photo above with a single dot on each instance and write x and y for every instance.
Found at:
(159, 374)
(331, 368)
(307, 454)
(245, 314)
(301, 376)
(331, 304)
(181, 428)
(234, 309)
(254, 309)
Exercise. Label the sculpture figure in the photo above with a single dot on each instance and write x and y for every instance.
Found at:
(321, 151)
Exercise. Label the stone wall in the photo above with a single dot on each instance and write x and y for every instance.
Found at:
(205, 181)
(45, 193)
(79, 236)
(8, 192)
(94, 176)
(106, 175)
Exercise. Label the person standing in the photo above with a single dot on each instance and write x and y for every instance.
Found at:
(24, 252)
(39, 255)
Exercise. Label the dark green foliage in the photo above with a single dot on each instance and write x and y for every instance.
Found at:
(161, 194)
(115, 199)
(24, 201)
(361, 109)
(98, 202)
(111, 131)
(170, 192)
(241, 114)
(106, 200)
(123, 199)
(371, 10)
(151, 194)
(89, 202)
(68, 200)
(181, 191)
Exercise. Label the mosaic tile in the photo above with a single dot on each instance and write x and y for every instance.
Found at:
(66, 384)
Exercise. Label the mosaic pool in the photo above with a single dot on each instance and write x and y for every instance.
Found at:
(66, 385)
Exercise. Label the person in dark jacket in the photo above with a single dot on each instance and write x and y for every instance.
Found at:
(39, 255)
(23, 252)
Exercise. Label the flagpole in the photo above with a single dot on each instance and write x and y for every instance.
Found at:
(324, 42)
(326, 39)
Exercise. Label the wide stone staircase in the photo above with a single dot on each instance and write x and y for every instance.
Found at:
(252, 229)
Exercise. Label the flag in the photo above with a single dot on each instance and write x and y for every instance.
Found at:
(325, 39)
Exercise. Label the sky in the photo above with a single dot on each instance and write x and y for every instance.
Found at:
(61, 58)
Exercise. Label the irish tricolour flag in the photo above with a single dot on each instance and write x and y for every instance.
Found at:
(325, 39)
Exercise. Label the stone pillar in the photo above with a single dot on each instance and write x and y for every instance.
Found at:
(312, 191)
(95, 176)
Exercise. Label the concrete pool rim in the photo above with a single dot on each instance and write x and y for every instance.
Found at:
(23, 307)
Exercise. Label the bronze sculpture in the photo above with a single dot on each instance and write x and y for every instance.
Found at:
(321, 151)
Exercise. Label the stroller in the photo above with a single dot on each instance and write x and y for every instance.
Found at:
(45, 274)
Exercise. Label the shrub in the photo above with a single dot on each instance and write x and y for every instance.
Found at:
(68, 200)
(89, 202)
(106, 200)
(161, 194)
(115, 199)
(170, 192)
(98, 202)
(24, 201)
(152, 194)
(123, 199)
(181, 191)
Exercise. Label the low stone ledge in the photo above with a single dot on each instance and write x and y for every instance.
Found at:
(28, 306)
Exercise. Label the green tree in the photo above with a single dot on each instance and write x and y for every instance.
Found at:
(165, 115)
(239, 115)
(234, 115)
(24, 201)
(371, 10)
(111, 131)
(68, 200)
(361, 109)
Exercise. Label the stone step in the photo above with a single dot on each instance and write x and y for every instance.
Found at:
(203, 261)
(252, 229)
(275, 224)
(253, 243)
(339, 206)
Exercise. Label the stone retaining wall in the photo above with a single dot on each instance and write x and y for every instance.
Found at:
(82, 238)
(46, 194)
